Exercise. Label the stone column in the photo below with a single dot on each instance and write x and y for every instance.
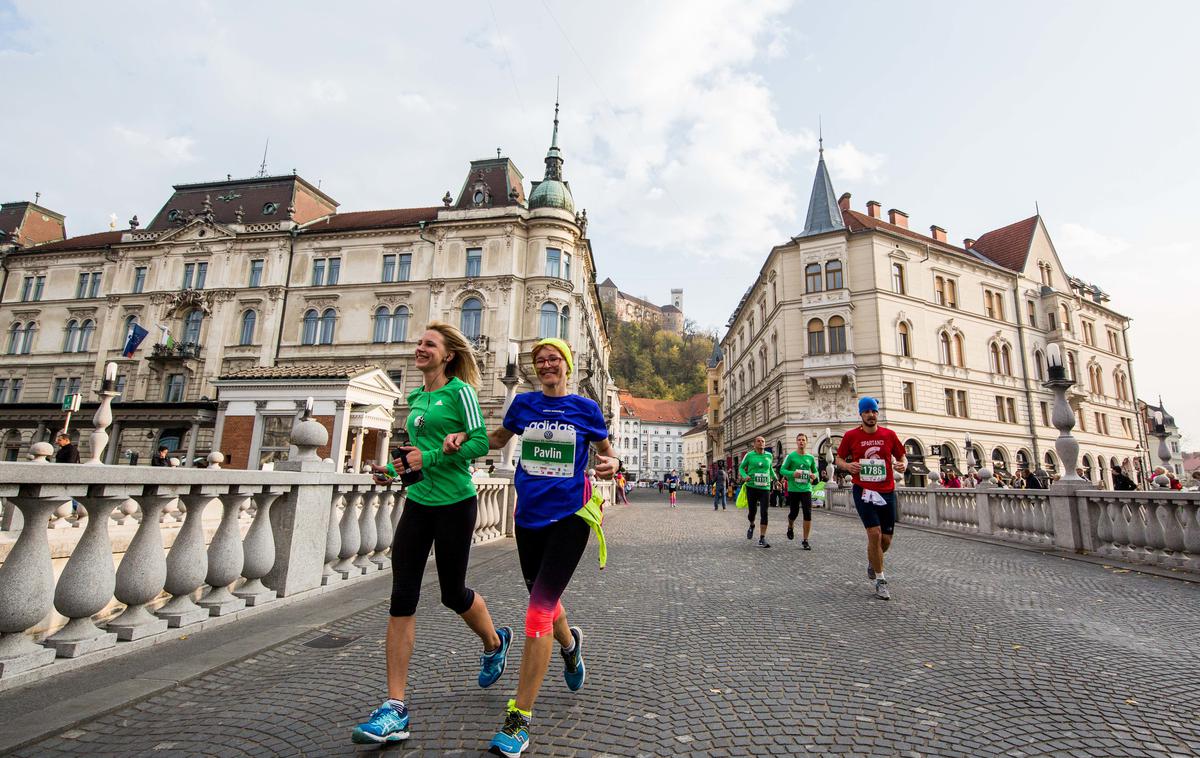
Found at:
(191, 446)
(382, 454)
(357, 450)
(300, 519)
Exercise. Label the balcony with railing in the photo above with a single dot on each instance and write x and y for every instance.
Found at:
(179, 351)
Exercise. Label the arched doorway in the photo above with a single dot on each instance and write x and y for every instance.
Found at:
(827, 451)
(1050, 465)
(949, 459)
(1102, 473)
(1023, 460)
(10, 449)
(1087, 467)
(917, 474)
(1000, 463)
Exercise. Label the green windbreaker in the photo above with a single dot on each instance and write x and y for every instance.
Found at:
(432, 416)
(795, 462)
(756, 468)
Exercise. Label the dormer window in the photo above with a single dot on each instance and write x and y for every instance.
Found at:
(269, 209)
(479, 197)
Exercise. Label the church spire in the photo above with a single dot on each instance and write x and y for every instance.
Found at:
(554, 159)
(552, 191)
(824, 215)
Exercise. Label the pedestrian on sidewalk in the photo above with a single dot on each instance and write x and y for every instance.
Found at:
(621, 483)
(67, 451)
(557, 515)
(719, 485)
(757, 469)
(440, 511)
(867, 452)
(672, 486)
(800, 470)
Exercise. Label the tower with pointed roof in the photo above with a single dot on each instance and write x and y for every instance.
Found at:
(824, 215)
(552, 191)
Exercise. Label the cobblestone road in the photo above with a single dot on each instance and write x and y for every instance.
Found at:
(699, 643)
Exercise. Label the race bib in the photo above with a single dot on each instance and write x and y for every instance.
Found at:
(760, 479)
(548, 449)
(803, 475)
(873, 470)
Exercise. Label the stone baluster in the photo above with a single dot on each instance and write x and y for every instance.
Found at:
(87, 583)
(366, 530)
(397, 511)
(26, 585)
(383, 528)
(1104, 534)
(225, 557)
(126, 509)
(1120, 527)
(104, 416)
(187, 563)
(349, 535)
(143, 571)
(1155, 539)
(333, 543)
(259, 551)
(1189, 516)
(61, 517)
(1172, 532)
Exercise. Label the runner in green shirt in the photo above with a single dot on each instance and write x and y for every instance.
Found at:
(800, 470)
(757, 469)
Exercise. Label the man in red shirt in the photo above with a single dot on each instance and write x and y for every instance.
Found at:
(867, 452)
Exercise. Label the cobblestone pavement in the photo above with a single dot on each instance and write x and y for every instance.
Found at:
(699, 643)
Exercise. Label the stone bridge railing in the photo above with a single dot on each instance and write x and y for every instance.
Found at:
(1158, 528)
(100, 558)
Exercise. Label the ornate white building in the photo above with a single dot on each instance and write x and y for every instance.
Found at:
(649, 436)
(265, 272)
(951, 339)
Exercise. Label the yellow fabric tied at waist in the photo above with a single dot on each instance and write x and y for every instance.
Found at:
(593, 513)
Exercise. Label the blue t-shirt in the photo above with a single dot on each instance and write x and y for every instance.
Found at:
(555, 433)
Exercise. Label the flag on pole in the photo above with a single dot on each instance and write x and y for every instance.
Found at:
(167, 340)
(133, 340)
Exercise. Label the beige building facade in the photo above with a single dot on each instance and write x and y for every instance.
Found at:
(265, 272)
(695, 443)
(951, 339)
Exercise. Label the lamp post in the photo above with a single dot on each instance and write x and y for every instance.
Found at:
(1062, 416)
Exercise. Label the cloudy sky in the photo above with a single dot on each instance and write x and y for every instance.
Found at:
(689, 128)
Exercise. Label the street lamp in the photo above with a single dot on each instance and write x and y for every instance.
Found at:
(1062, 417)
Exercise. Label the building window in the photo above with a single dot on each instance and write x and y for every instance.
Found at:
(833, 275)
(898, 279)
(1006, 409)
(961, 395)
(553, 262)
(326, 271)
(1039, 365)
(123, 337)
(944, 354)
(139, 280)
(472, 317)
(389, 268)
(248, 319)
(404, 267)
(775, 349)
(993, 305)
(14, 394)
(194, 275)
(1032, 313)
(908, 395)
(26, 289)
(816, 337)
(400, 324)
(548, 323)
(949, 402)
(256, 271)
(396, 267)
(328, 321)
(837, 334)
(175, 387)
(88, 285)
(309, 336)
(275, 442)
(956, 403)
(383, 324)
(71, 341)
(1071, 367)
(959, 352)
(1051, 321)
(1089, 333)
(564, 323)
(945, 292)
(1126, 427)
(1045, 408)
(20, 338)
(566, 265)
(812, 277)
(1066, 319)
(1120, 385)
(191, 326)
(86, 330)
(59, 391)
(903, 340)
(939, 290)
(474, 261)
(1114, 344)
(122, 380)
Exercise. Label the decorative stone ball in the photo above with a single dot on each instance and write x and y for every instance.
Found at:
(986, 473)
(40, 451)
(174, 462)
(308, 436)
(215, 459)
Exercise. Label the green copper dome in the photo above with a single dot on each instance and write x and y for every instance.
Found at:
(552, 193)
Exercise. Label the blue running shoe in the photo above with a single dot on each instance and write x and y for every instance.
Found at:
(513, 737)
(573, 670)
(491, 665)
(385, 725)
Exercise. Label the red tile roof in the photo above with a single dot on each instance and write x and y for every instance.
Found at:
(655, 411)
(1008, 245)
(861, 222)
(82, 242)
(341, 222)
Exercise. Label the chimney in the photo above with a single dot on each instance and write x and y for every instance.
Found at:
(937, 232)
(898, 218)
(968, 243)
(873, 207)
(844, 201)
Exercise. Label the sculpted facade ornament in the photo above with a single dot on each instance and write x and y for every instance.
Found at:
(186, 300)
(275, 293)
(436, 286)
(113, 300)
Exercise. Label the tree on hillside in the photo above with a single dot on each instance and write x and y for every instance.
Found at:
(652, 362)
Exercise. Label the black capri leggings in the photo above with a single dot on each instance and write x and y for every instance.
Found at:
(549, 556)
(421, 527)
(798, 500)
(758, 500)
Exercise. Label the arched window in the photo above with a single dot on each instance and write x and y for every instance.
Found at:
(775, 349)
(249, 319)
(903, 340)
(816, 337)
(15, 333)
(383, 325)
(328, 320)
(1120, 385)
(71, 342)
(27, 341)
(400, 324)
(191, 326)
(1005, 360)
(564, 323)
(837, 334)
(1098, 380)
(994, 358)
(959, 353)
(472, 317)
(762, 361)
(548, 321)
(1071, 370)
(1051, 466)
(999, 460)
(86, 330)
(812, 277)
(1023, 460)
(752, 382)
(833, 275)
(944, 349)
(898, 279)
(1039, 365)
(1087, 467)
(124, 335)
(309, 336)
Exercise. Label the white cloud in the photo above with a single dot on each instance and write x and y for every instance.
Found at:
(414, 103)
(327, 91)
(1080, 243)
(177, 149)
(849, 164)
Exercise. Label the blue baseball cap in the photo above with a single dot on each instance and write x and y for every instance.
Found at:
(867, 404)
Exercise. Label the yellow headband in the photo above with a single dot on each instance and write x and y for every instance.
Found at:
(561, 347)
